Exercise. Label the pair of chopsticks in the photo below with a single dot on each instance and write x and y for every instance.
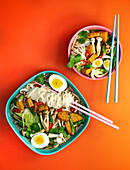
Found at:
(93, 114)
(87, 111)
(110, 67)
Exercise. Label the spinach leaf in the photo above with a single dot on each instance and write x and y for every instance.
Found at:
(39, 79)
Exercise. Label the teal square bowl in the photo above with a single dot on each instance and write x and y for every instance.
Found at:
(25, 141)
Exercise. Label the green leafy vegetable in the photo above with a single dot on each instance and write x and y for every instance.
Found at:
(84, 117)
(81, 121)
(39, 79)
(20, 124)
(81, 40)
(20, 98)
(47, 84)
(50, 118)
(83, 34)
(31, 110)
(52, 141)
(88, 66)
(29, 131)
(72, 125)
(18, 114)
(82, 103)
(78, 123)
(78, 67)
(65, 134)
(114, 62)
(83, 37)
(73, 60)
(114, 50)
(16, 117)
(103, 70)
(59, 130)
(77, 58)
(104, 49)
(35, 127)
(14, 101)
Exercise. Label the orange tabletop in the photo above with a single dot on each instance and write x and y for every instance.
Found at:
(34, 36)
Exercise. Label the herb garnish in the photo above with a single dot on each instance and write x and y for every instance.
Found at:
(83, 37)
(73, 60)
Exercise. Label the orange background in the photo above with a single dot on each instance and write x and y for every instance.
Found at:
(34, 36)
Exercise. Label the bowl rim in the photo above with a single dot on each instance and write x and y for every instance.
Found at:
(23, 139)
(88, 28)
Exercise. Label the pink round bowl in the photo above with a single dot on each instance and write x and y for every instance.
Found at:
(91, 28)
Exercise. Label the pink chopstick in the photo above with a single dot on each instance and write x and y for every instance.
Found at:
(46, 87)
(95, 117)
(85, 108)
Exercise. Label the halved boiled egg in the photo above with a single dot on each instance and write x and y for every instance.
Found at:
(57, 82)
(106, 64)
(40, 140)
(97, 63)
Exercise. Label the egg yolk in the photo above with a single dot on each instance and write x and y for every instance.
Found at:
(56, 83)
(97, 63)
(39, 139)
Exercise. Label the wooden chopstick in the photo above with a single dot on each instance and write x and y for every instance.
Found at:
(95, 117)
(110, 67)
(117, 60)
(94, 113)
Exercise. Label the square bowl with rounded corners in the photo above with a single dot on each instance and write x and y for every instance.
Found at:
(93, 27)
(25, 141)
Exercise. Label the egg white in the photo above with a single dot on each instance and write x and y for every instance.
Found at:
(64, 85)
(105, 66)
(44, 144)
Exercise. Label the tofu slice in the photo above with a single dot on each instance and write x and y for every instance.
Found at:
(63, 116)
(92, 58)
(68, 127)
(20, 105)
(75, 117)
(86, 71)
(90, 48)
(41, 108)
(102, 34)
(35, 108)
(29, 102)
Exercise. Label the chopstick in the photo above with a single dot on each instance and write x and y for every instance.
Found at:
(95, 117)
(110, 67)
(100, 116)
(117, 60)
